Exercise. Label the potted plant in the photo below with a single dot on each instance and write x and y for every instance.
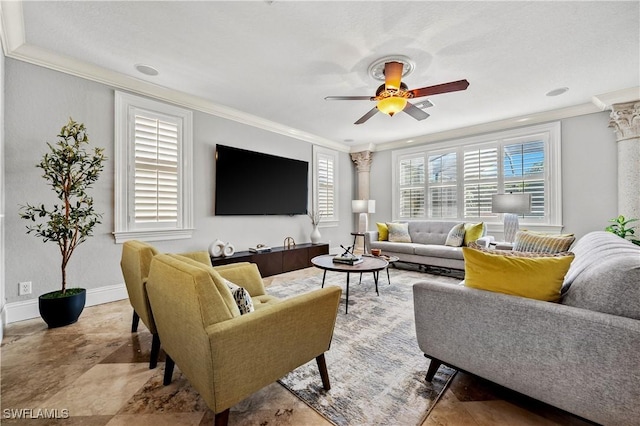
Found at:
(619, 227)
(70, 170)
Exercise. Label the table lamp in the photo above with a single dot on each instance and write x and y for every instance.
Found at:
(511, 205)
(364, 207)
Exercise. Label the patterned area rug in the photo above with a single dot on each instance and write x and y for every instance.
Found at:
(375, 365)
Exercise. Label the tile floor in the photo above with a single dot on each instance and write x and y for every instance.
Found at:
(95, 372)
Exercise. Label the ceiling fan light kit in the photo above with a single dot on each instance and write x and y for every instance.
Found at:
(392, 96)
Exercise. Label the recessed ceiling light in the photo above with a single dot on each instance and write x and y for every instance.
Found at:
(558, 91)
(146, 69)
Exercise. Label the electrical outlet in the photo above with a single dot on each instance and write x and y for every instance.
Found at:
(24, 288)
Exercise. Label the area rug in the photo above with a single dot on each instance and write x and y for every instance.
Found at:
(376, 368)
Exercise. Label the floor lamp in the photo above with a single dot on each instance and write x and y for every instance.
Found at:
(511, 205)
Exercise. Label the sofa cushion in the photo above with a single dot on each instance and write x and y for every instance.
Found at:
(383, 231)
(538, 278)
(455, 237)
(473, 231)
(430, 231)
(399, 232)
(390, 247)
(434, 250)
(605, 276)
(543, 243)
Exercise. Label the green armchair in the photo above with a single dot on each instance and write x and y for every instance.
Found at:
(227, 356)
(135, 263)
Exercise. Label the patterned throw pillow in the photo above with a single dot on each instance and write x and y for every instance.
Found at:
(510, 253)
(399, 232)
(542, 243)
(455, 238)
(241, 297)
(383, 231)
(473, 231)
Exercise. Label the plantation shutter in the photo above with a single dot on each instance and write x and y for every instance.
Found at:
(156, 194)
(523, 171)
(412, 187)
(443, 186)
(480, 181)
(326, 186)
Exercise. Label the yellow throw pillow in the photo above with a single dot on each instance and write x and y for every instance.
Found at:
(383, 231)
(538, 278)
(473, 231)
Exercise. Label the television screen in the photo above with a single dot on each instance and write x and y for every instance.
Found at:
(253, 183)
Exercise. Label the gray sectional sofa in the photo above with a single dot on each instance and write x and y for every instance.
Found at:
(426, 246)
(581, 355)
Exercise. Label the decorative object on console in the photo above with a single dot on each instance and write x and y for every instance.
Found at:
(260, 248)
(216, 248)
(315, 221)
(289, 242)
(228, 250)
(364, 207)
(511, 205)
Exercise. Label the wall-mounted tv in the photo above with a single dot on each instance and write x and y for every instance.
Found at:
(254, 183)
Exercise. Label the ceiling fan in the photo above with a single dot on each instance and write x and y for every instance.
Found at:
(393, 94)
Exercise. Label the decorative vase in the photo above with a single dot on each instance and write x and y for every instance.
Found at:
(61, 311)
(315, 235)
(216, 248)
(228, 250)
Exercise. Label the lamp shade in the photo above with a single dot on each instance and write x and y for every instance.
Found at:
(392, 104)
(363, 206)
(511, 203)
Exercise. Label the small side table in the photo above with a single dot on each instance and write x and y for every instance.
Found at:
(502, 245)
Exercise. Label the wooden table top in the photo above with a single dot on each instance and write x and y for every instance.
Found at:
(368, 264)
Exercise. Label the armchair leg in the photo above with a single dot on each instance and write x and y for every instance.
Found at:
(168, 370)
(433, 368)
(134, 322)
(221, 419)
(155, 351)
(324, 374)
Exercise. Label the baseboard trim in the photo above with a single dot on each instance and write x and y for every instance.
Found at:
(28, 309)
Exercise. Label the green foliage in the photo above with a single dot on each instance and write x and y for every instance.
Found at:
(70, 170)
(619, 227)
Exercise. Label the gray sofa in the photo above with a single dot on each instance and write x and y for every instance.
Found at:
(581, 355)
(426, 246)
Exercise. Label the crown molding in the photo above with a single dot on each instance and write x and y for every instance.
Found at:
(605, 100)
(15, 47)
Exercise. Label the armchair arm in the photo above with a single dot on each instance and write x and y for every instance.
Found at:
(368, 237)
(254, 350)
(555, 353)
(245, 275)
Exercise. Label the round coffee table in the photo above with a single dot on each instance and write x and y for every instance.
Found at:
(368, 264)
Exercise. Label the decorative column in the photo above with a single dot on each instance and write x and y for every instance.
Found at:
(362, 161)
(625, 120)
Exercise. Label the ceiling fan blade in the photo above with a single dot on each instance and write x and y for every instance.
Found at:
(415, 112)
(392, 75)
(348, 98)
(453, 86)
(367, 116)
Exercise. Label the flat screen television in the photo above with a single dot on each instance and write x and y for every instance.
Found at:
(254, 183)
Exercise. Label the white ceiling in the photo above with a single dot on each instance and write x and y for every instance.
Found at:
(272, 63)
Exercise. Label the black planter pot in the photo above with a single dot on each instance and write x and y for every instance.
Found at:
(61, 311)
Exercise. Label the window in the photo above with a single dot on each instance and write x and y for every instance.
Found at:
(325, 179)
(153, 163)
(461, 176)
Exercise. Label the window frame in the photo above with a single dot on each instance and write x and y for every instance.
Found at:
(124, 158)
(549, 133)
(318, 153)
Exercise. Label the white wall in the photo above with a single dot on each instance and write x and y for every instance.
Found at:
(40, 101)
(589, 175)
(2, 189)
